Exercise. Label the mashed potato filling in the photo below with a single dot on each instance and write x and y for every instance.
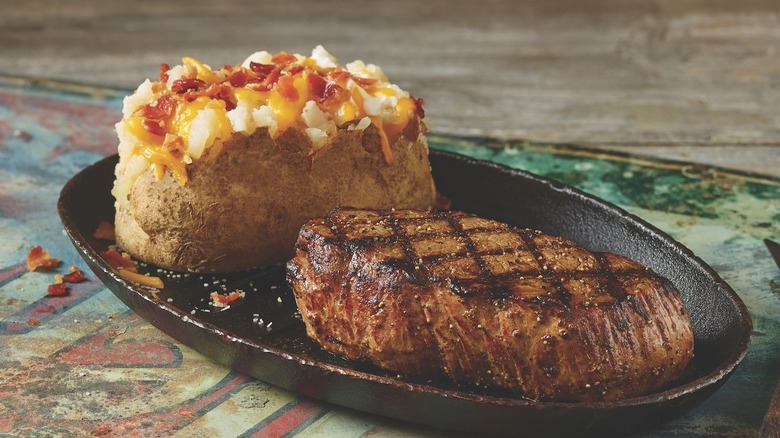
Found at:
(192, 109)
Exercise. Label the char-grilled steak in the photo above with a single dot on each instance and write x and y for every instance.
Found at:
(483, 303)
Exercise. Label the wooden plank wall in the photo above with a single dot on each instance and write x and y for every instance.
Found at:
(691, 80)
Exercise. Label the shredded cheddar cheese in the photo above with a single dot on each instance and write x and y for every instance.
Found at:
(143, 280)
(192, 109)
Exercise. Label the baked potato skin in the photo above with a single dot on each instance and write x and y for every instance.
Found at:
(244, 207)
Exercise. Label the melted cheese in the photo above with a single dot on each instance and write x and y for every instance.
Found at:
(199, 122)
(204, 72)
(162, 159)
(135, 125)
(288, 111)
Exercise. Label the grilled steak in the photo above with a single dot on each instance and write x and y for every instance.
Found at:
(483, 303)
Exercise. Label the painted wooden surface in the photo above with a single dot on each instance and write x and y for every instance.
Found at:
(695, 80)
(770, 427)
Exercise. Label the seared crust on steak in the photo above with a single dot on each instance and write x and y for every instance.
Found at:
(483, 303)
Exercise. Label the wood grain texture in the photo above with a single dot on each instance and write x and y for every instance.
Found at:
(690, 80)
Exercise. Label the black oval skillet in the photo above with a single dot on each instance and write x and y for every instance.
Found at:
(260, 335)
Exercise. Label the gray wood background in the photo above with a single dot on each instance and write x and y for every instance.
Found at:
(689, 80)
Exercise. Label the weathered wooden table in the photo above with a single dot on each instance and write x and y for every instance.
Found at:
(683, 80)
(690, 82)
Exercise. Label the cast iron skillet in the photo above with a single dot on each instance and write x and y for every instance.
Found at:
(280, 353)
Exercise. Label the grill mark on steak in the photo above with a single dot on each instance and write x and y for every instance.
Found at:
(614, 287)
(458, 231)
(542, 266)
(403, 239)
(484, 303)
(561, 295)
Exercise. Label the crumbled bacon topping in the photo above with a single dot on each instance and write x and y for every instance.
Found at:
(164, 72)
(75, 276)
(419, 102)
(118, 261)
(262, 70)
(333, 95)
(364, 82)
(161, 109)
(223, 93)
(287, 89)
(38, 258)
(264, 81)
(154, 127)
(282, 59)
(220, 300)
(57, 289)
(317, 85)
(104, 230)
(126, 269)
(238, 78)
(181, 85)
(269, 91)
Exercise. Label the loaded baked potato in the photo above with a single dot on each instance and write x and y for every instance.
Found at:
(218, 169)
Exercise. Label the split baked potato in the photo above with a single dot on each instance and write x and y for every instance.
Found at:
(217, 173)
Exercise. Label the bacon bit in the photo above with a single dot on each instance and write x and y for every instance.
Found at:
(223, 93)
(118, 261)
(238, 78)
(75, 276)
(287, 89)
(317, 85)
(212, 91)
(105, 230)
(282, 59)
(219, 300)
(340, 76)
(153, 127)
(143, 280)
(39, 258)
(191, 95)
(333, 96)
(262, 70)
(186, 84)
(420, 111)
(164, 72)
(57, 290)
(33, 321)
(270, 80)
(295, 70)
(161, 109)
(364, 82)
